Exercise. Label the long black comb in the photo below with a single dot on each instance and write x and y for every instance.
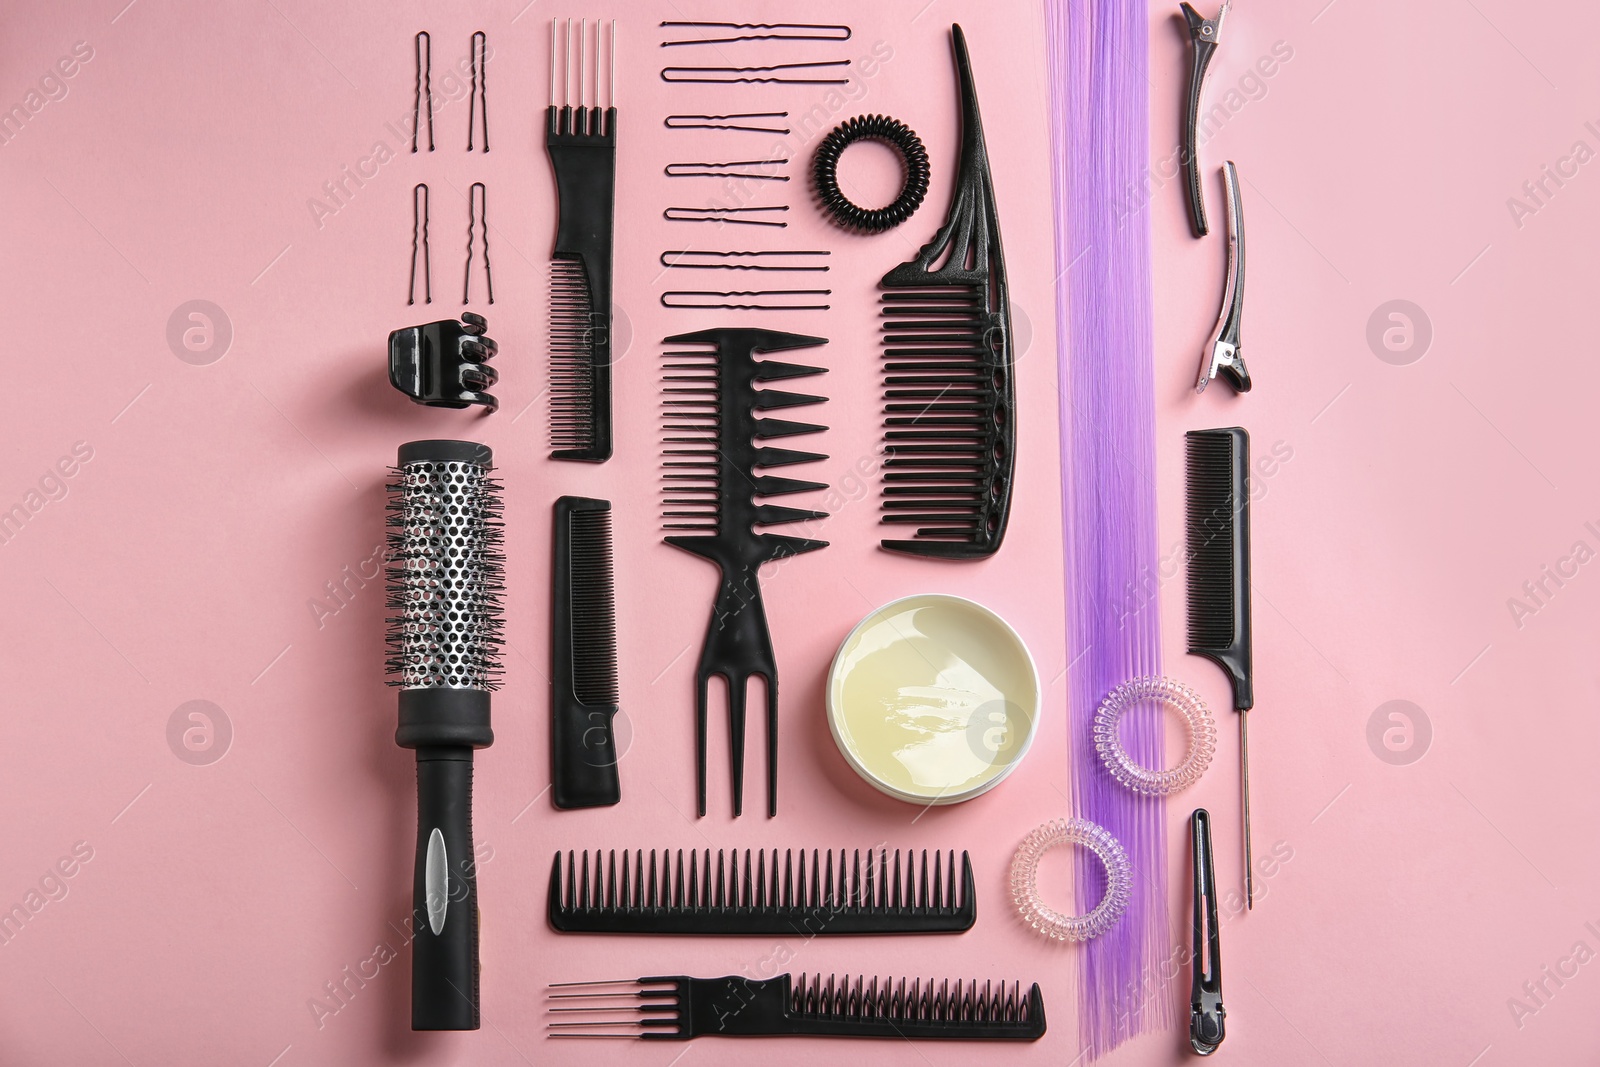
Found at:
(950, 426)
(1219, 580)
(712, 419)
(677, 1008)
(684, 897)
(583, 657)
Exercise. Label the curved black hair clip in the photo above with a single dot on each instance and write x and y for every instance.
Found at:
(444, 364)
(1204, 33)
(1222, 355)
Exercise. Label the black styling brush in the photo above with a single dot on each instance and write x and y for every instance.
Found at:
(1219, 581)
(444, 585)
(712, 420)
(583, 658)
(950, 428)
(582, 142)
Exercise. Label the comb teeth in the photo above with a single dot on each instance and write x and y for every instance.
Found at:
(1213, 501)
(573, 386)
(594, 613)
(444, 579)
(760, 895)
(966, 1002)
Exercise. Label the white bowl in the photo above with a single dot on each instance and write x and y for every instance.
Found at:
(933, 699)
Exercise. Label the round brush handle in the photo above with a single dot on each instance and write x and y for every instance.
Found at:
(444, 962)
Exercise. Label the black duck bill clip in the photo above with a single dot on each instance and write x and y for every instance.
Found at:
(1204, 34)
(1222, 356)
(1205, 994)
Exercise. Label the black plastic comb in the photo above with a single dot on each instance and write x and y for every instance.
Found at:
(583, 657)
(1219, 581)
(712, 419)
(677, 1008)
(950, 428)
(678, 897)
(582, 142)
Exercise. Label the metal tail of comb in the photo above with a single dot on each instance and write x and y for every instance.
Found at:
(712, 418)
(762, 896)
(950, 427)
(677, 1008)
(582, 142)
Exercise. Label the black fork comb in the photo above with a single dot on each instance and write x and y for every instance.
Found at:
(582, 142)
(712, 420)
(949, 399)
(835, 898)
(677, 1008)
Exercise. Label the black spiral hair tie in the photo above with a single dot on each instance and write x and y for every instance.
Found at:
(906, 144)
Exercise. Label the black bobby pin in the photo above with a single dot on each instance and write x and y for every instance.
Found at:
(478, 100)
(419, 236)
(693, 259)
(722, 214)
(424, 89)
(779, 31)
(737, 168)
(752, 75)
(477, 217)
(723, 122)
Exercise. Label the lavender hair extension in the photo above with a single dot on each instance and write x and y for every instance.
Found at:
(1097, 57)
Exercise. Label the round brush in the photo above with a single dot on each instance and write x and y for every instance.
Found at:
(444, 585)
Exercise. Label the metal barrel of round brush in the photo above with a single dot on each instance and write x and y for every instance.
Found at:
(444, 586)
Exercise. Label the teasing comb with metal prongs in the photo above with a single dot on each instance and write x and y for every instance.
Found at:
(677, 1008)
(582, 143)
(444, 590)
(686, 898)
(712, 418)
(950, 430)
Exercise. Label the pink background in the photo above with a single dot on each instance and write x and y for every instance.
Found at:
(182, 561)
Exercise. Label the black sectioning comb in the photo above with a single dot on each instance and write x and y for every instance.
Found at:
(679, 897)
(677, 1008)
(582, 142)
(583, 657)
(712, 418)
(1219, 580)
(950, 426)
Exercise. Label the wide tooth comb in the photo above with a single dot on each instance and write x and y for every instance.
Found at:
(949, 395)
(752, 894)
(709, 460)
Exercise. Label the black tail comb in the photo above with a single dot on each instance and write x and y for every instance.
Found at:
(583, 657)
(807, 897)
(677, 1008)
(1219, 554)
(949, 396)
(713, 415)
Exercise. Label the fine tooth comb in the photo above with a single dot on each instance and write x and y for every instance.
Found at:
(711, 421)
(583, 658)
(677, 1008)
(686, 898)
(950, 401)
(582, 142)
(1219, 581)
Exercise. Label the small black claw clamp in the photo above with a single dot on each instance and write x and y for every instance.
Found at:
(444, 364)
(1204, 33)
(1205, 998)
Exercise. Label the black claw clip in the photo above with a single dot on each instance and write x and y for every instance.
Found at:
(1204, 33)
(445, 364)
(1205, 996)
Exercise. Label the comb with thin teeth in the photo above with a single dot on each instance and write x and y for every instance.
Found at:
(950, 429)
(712, 417)
(677, 1008)
(762, 897)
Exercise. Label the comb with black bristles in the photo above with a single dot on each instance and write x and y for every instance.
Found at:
(950, 428)
(1219, 580)
(677, 1008)
(713, 415)
(678, 896)
(583, 657)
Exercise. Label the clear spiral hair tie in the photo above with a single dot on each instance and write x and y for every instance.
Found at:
(1186, 702)
(1025, 880)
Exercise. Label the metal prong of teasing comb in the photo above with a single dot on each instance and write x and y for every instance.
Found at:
(1222, 352)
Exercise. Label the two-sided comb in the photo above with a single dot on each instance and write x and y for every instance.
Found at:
(762, 897)
(582, 142)
(712, 417)
(950, 399)
(677, 1008)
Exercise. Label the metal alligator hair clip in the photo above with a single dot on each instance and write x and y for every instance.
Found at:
(1204, 33)
(1205, 996)
(1221, 354)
